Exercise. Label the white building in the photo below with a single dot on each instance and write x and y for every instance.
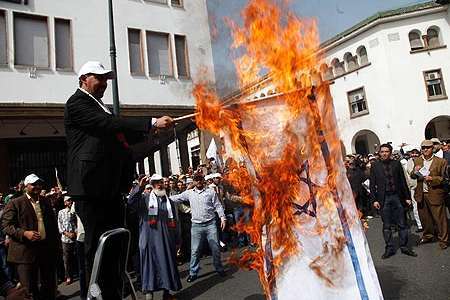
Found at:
(389, 75)
(162, 45)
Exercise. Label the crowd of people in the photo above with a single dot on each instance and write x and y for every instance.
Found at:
(172, 220)
(404, 187)
(177, 219)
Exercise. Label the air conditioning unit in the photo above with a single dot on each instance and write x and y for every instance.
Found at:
(358, 97)
(433, 76)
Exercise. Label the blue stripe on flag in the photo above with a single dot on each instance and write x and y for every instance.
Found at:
(352, 251)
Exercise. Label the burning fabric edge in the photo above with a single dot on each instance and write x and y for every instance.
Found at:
(304, 217)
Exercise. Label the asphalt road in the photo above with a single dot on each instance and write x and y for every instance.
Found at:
(401, 277)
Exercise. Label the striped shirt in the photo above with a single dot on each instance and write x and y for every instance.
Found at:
(203, 204)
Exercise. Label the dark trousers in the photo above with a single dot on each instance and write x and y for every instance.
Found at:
(185, 224)
(81, 269)
(99, 216)
(433, 217)
(42, 271)
(392, 214)
(69, 258)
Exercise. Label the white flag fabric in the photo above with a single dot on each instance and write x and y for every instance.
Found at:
(334, 261)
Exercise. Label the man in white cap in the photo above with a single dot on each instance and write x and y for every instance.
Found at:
(67, 225)
(157, 238)
(99, 167)
(30, 223)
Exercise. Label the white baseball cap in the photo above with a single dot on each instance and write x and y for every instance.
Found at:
(95, 67)
(32, 178)
(156, 177)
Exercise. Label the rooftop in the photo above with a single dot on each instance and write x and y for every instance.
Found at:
(382, 15)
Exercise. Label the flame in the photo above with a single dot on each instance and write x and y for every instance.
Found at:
(275, 41)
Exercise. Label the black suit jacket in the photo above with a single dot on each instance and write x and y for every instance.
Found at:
(98, 163)
(378, 182)
(19, 216)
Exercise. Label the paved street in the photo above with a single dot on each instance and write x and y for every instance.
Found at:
(401, 277)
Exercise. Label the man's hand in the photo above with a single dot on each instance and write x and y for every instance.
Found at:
(143, 182)
(428, 178)
(70, 235)
(32, 235)
(417, 168)
(223, 223)
(377, 205)
(409, 202)
(163, 122)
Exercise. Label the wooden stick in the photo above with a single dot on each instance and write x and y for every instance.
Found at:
(189, 116)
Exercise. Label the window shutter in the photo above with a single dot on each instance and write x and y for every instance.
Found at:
(181, 53)
(135, 51)
(415, 41)
(433, 38)
(63, 44)
(3, 41)
(158, 54)
(31, 41)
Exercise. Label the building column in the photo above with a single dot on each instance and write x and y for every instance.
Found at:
(164, 157)
(141, 167)
(184, 151)
(151, 163)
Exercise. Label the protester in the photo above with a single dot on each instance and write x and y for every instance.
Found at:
(429, 170)
(157, 241)
(99, 165)
(67, 225)
(390, 194)
(31, 224)
(204, 203)
(412, 184)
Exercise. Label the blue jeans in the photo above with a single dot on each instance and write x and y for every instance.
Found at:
(206, 230)
(3, 264)
(393, 213)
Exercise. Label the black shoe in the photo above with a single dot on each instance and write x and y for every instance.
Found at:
(386, 255)
(191, 278)
(424, 241)
(419, 230)
(409, 252)
(222, 273)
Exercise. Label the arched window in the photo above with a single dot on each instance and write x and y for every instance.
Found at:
(362, 55)
(326, 71)
(351, 61)
(433, 37)
(338, 67)
(415, 40)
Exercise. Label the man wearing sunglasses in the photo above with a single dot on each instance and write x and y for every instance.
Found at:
(429, 170)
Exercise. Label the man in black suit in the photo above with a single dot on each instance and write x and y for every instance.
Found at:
(99, 159)
(390, 194)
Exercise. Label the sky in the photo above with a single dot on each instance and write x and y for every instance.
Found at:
(333, 17)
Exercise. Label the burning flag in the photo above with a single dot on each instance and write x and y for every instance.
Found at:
(286, 163)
